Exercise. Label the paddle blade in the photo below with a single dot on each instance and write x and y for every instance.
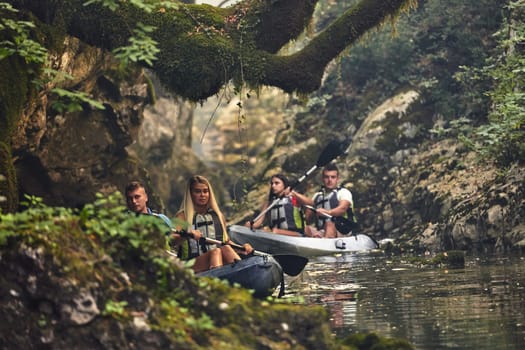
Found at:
(292, 264)
(343, 225)
(333, 150)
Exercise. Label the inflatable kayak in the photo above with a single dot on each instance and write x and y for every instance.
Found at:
(276, 244)
(260, 273)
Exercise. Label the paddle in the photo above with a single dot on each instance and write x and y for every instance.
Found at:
(334, 149)
(292, 264)
(342, 224)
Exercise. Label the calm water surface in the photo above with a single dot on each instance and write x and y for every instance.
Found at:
(480, 306)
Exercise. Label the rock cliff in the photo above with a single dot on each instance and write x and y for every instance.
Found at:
(427, 193)
(67, 157)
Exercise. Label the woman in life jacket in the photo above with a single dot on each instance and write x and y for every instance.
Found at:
(204, 219)
(285, 216)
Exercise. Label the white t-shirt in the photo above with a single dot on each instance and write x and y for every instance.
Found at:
(345, 194)
(342, 194)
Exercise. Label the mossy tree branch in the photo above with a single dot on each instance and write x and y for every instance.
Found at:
(303, 71)
(203, 47)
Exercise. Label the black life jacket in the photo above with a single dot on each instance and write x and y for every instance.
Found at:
(210, 226)
(329, 201)
(285, 215)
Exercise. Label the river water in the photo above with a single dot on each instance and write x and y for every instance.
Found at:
(480, 306)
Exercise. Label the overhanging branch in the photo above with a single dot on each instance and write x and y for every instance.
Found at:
(302, 72)
(201, 49)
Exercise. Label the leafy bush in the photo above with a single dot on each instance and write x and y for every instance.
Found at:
(422, 50)
(503, 137)
(124, 235)
(16, 35)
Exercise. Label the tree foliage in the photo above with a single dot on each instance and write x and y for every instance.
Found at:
(429, 50)
(503, 137)
(422, 51)
(201, 47)
(16, 37)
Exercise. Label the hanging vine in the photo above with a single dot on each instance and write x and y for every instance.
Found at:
(238, 19)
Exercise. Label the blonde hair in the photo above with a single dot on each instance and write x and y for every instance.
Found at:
(188, 209)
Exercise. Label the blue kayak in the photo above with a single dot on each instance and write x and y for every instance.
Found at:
(260, 273)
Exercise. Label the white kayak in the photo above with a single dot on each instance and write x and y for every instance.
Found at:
(276, 244)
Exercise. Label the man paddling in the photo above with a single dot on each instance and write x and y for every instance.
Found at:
(331, 201)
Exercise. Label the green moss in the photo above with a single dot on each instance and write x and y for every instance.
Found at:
(199, 34)
(8, 183)
(449, 259)
(122, 259)
(15, 78)
(373, 341)
(211, 59)
(152, 95)
(203, 42)
(15, 88)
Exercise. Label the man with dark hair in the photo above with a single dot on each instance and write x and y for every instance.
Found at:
(137, 199)
(331, 200)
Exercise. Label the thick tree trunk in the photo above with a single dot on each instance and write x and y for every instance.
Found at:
(203, 47)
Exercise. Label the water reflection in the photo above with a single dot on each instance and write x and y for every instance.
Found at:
(481, 306)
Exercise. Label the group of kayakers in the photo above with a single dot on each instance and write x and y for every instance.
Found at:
(203, 218)
(285, 212)
(291, 213)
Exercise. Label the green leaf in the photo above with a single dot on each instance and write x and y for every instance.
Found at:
(141, 47)
(72, 100)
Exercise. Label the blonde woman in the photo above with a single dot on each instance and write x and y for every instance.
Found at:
(204, 219)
